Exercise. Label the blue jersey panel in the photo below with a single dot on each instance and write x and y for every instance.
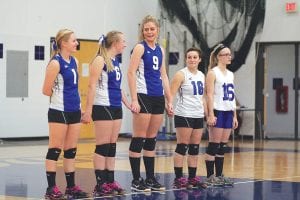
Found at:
(152, 59)
(69, 78)
(114, 85)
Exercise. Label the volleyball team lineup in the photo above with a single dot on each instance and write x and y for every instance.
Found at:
(195, 97)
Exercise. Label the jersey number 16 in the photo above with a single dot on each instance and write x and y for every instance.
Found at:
(228, 92)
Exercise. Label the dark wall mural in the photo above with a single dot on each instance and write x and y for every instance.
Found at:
(241, 20)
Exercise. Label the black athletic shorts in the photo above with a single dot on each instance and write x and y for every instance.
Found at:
(64, 117)
(106, 113)
(188, 122)
(151, 104)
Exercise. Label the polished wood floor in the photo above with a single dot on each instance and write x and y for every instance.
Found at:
(261, 169)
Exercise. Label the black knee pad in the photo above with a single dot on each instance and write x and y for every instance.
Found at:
(212, 148)
(102, 149)
(53, 154)
(181, 148)
(70, 153)
(222, 149)
(112, 150)
(193, 149)
(150, 144)
(137, 144)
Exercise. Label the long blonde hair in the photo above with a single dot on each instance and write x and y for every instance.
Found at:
(148, 18)
(213, 60)
(62, 35)
(105, 42)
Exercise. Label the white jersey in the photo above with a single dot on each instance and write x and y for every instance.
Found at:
(189, 96)
(224, 97)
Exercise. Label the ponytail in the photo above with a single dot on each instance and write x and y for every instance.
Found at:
(105, 42)
(54, 49)
(62, 35)
(102, 51)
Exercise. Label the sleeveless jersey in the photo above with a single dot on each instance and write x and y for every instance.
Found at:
(108, 88)
(65, 96)
(148, 75)
(224, 97)
(189, 96)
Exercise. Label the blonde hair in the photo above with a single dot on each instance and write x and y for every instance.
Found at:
(148, 18)
(110, 38)
(62, 35)
(213, 61)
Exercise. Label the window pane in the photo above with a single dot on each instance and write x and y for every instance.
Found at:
(39, 52)
(1, 50)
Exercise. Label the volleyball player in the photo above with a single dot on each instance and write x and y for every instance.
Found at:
(61, 85)
(190, 108)
(104, 105)
(221, 113)
(149, 85)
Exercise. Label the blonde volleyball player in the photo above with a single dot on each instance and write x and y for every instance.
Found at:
(221, 113)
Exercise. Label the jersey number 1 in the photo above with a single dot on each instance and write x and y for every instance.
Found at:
(75, 76)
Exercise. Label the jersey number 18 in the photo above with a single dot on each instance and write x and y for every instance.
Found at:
(197, 87)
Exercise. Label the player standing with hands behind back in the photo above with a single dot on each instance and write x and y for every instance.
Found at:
(61, 85)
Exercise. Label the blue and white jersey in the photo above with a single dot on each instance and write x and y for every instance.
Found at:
(224, 97)
(108, 88)
(190, 95)
(65, 96)
(148, 75)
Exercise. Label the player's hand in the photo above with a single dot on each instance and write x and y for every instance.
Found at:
(211, 120)
(86, 117)
(235, 123)
(170, 110)
(135, 107)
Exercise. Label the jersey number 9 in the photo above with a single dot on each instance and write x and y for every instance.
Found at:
(155, 62)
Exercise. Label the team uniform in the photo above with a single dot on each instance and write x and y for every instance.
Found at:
(107, 106)
(108, 96)
(189, 111)
(224, 107)
(64, 108)
(224, 98)
(65, 101)
(151, 100)
(149, 83)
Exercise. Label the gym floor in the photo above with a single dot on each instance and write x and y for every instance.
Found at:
(261, 169)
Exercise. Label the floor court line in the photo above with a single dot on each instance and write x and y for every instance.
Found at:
(261, 180)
